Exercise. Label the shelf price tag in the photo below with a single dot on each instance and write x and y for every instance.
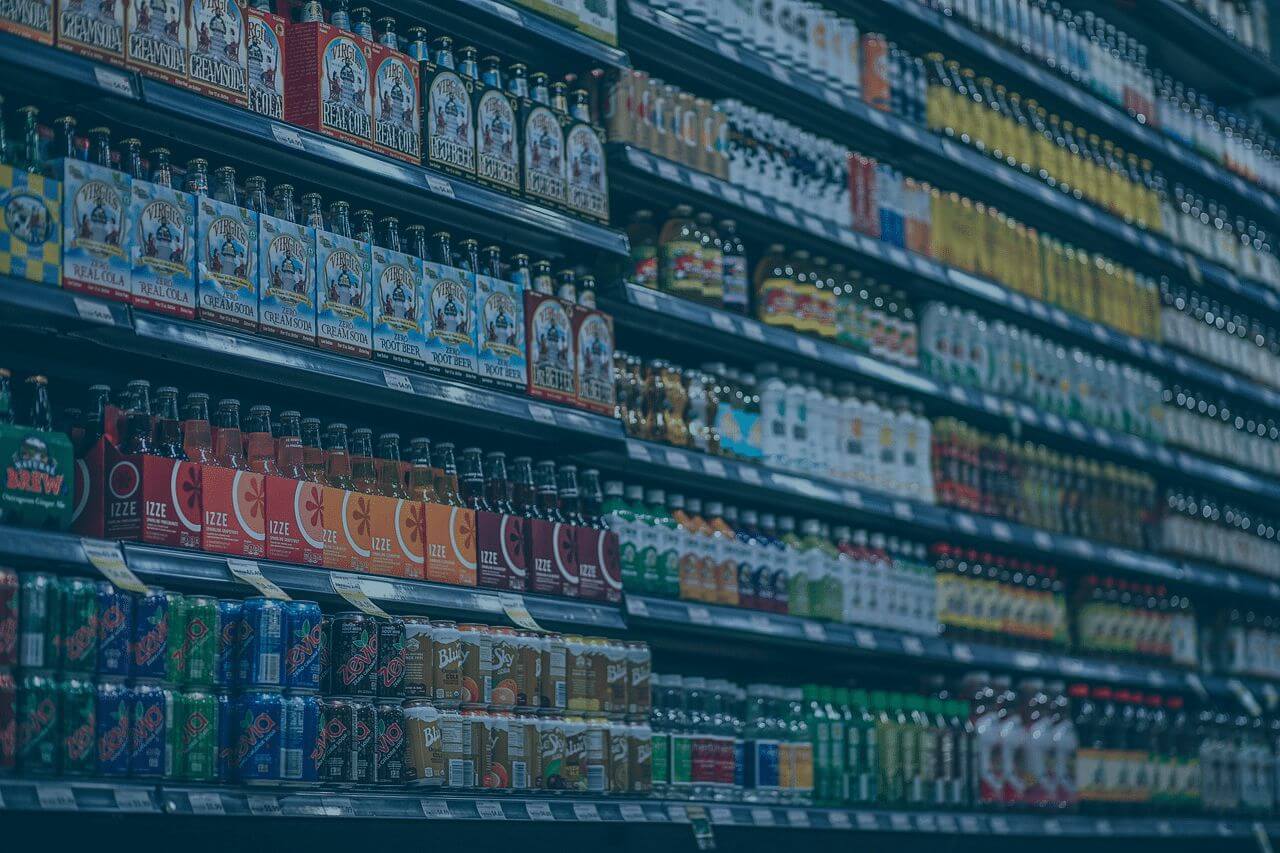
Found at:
(762, 816)
(249, 572)
(632, 813)
(865, 820)
(807, 347)
(56, 798)
(962, 653)
(749, 475)
(440, 186)
(113, 81)
(263, 805)
(338, 807)
(699, 615)
(206, 802)
(713, 467)
(287, 136)
(513, 605)
(586, 812)
(815, 631)
(505, 11)
(721, 322)
(703, 833)
(542, 414)
(94, 311)
(397, 381)
(490, 810)
(797, 817)
(753, 331)
(999, 826)
(644, 299)
(133, 800)
(436, 810)
(912, 646)
(348, 586)
(864, 639)
(1260, 835)
(839, 820)
(108, 558)
(539, 810)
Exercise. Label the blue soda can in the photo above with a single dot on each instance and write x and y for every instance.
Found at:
(226, 737)
(261, 643)
(229, 616)
(115, 630)
(151, 635)
(151, 744)
(259, 727)
(302, 641)
(113, 716)
(301, 728)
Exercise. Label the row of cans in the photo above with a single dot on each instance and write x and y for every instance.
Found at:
(90, 627)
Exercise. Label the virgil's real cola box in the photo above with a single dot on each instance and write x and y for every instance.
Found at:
(500, 333)
(265, 50)
(343, 321)
(92, 28)
(227, 263)
(593, 352)
(217, 49)
(286, 279)
(95, 232)
(31, 227)
(397, 104)
(552, 361)
(449, 319)
(328, 86)
(32, 19)
(397, 308)
(162, 224)
(155, 40)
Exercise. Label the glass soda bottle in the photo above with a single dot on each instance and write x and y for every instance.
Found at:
(421, 473)
(364, 473)
(390, 469)
(314, 458)
(497, 488)
(137, 418)
(168, 430)
(197, 435)
(472, 474)
(446, 474)
(338, 472)
(261, 444)
(228, 442)
(289, 450)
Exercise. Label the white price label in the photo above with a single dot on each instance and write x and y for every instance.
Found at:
(133, 800)
(864, 639)
(1163, 827)
(754, 331)
(206, 802)
(115, 82)
(249, 572)
(1052, 827)
(839, 820)
(263, 805)
(699, 615)
(1001, 531)
(785, 215)
(777, 72)
(815, 632)
(586, 812)
(749, 475)
(56, 797)
(539, 811)
(797, 817)
(632, 813)
(1103, 827)
(926, 823)
(965, 524)
(865, 820)
(518, 612)
(899, 822)
(348, 586)
(728, 51)
(637, 607)
(440, 186)
(999, 826)
(962, 653)
(760, 623)
(1042, 540)
(638, 452)
(487, 603)
(397, 381)
(761, 816)
(644, 299)
(338, 807)
(722, 322)
(713, 468)
(436, 810)
(912, 646)
(287, 136)
(807, 347)
(832, 97)
(676, 459)
(902, 510)
(969, 824)
(505, 11)
(851, 498)
(541, 414)
(668, 170)
(490, 810)
(1026, 660)
(108, 558)
(701, 183)
(93, 310)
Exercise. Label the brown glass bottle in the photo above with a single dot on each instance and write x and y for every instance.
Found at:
(228, 442)
(421, 473)
(524, 497)
(137, 419)
(544, 482)
(472, 480)
(289, 451)
(314, 459)
(390, 470)
(167, 435)
(338, 458)
(497, 488)
(197, 435)
(261, 446)
(445, 474)
(569, 499)
(364, 474)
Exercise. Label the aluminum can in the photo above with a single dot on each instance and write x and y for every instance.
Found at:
(259, 716)
(364, 741)
(115, 631)
(78, 627)
(353, 654)
(37, 724)
(8, 618)
(301, 730)
(334, 754)
(196, 727)
(200, 641)
(78, 752)
(389, 743)
(151, 743)
(112, 719)
(230, 614)
(391, 659)
(38, 619)
(261, 643)
(152, 629)
(303, 628)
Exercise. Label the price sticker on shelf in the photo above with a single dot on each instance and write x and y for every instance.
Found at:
(797, 817)
(440, 186)
(1103, 827)
(542, 414)
(999, 826)
(250, 572)
(964, 524)
(437, 810)
(752, 330)
(348, 586)
(913, 646)
(839, 820)
(721, 814)
(586, 812)
(1042, 540)
(113, 81)
(865, 820)
(206, 802)
(961, 653)
(749, 475)
(777, 72)
(632, 813)
(900, 822)
(518, 612)
(969, 824)
(926, 823)
(762, 816)
(713, 468)
(1027, 660)
(699, 615)
(676, 459)
(538, 810)
(108, 558)
(638, 452)
(851, 498)
(701, 183)
(1260, 835)
(644, 299)
(56, 798)
(902, 510)
(704, 834)
(134, 800)
(637, 607)
(287, 136)
(263, 805)
(1001, 532)
(1052, 827)
(732, 195)
(504, 11)
(338, 807)
(785, 215)
(490, 810)
(722, 322)
(397, 381)
(815, 631)
(728, 51)
(807, 347)
(864, 639)
(754, 203)
(94, 311)
(832, 97)
(1163, 827)
(668, 170)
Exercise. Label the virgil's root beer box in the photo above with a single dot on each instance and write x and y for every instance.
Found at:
(500, 333)
(31, 227)
(95, 232)
(397, 104)
(295, 521)
(343, 321)
(162, 224)
(552, 362)
(265, 50)
(593, 352)
(327, 86)
(500, 551)
(449, 320)
(156, 38)
(217, 57)
(397, 308)
(227, 269)
(30, 18)
(93, 28)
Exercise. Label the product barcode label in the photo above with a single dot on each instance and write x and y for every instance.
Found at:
(206, 802)
(338, 807)
(588, 811)
(490, 810)
(539, 811)
(814, 631)
(292, 763)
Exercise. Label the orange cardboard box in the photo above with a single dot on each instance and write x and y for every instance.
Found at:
(411, 537)
(295, 521)
(451, 545)
(385, 556)
(235, 512)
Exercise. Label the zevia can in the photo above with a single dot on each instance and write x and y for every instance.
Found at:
(226, 737)
(353, 655)
(37, 724)
(364, 741)
(78, 632)
(302, 633)
(389, 743)
(259, 717)
(333, 753)
(111, 720)
(78, 742)
(115, 630)
(38, 620)
(196, 728)
(8, 721)
(391, 659)
(151, 743)
(151, 630)
(229, 623)
(301, 730)
(200, 641)
(424, 751)
(261, 643)
(446, 678)
(418, 667)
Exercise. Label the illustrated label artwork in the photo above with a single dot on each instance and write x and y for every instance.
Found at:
(265, 51)
(588, 193)
(30, 18)
(544, 156)
(157, 38)
(228, 264)
(497, 159)
(93, 28)
(594, 337)
(344, 89)
(216, 48)
(30, 226)
(452, 130)
(164, 248)
(449, 303)
(500, 332)
(287, 264)
(398, 119)
(397, 331)
(95, 237)
(551, 356)
(342, 281)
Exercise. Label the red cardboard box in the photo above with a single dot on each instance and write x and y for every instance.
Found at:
(565, 537)
(152, 499)
(217, 58)
(593, 348)
(411, 537)
(92, 28)
(552, 358)
(540, 545)
(397, 105)
(502, 561)
(337, 552)
(327, 82)
(295, 521)
(89, 516)
(235, 517)
(266, 57)
(610, 560)
(31, 19)
(385, 555)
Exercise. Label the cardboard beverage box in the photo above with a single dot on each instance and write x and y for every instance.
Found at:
(397, 308)
(411, 536)
(593, 348)
(95, 234)
(542, 575)
(500, 333)
(227, 269)
(162, 224)
(287, 279)
(328, 82)
(31, 227)
(450, 122)
(152, 499)
(32, 19)
(386, 557)
(451, 544)
(343, 321)
(39, 478)
(599, 571)
(586, 187)
(543, 158)
(609, 557)
(338, 553)
(397, 105)
(89, 517)
(500, 550)
(552, 362)
(449, 312)
(356, 530)
(93, 28)
(217, 49)
(497, 148)
(564, 539)
(265, 39)
(235, 517)
(295, 521)
(156, 38)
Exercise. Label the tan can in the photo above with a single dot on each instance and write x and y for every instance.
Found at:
(477, 665)
(619, 757)
(425, 762)
(528, 651)
(504, 663)
(639, 678)
(418, 669)
(551, 753)
(478, 721)
(531, 740)
(573, 768)
(596, 755)
(457, 749)
(640, 758)
(552, 675)
(446, 675)
(580, 660)
(614, 697)
(507, 765)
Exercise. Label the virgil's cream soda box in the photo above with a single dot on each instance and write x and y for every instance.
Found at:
(92, 28)
(30, 18)
(163, 249)
(227, 263)
(217, 49)
(397, 105)
(593, 351)
(286, 279)
(397, 308)
(343, 321)
(500, 333)
(30, 226)
(327, 82)
(156, 38)
(265, 50)
(449, 318)
(95, 232)
(552, 361)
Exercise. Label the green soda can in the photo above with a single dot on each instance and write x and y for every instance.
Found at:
(175, 666)
(38, 621)
(78, 742)
(38, 728)
(200, 640)
(196, 730)
(78, 629)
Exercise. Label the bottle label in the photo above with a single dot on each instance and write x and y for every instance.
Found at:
(544, 157)
(681, 267)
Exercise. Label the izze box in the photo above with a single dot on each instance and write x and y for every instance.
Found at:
(295, 521)
(89, 513)
(347, 537)
(95, 232)
(92, 28)
(286, 279)
(451, 544)
(31, 227)
(385, 555)
(162, 224)
(265, 38)
(549, 327)
(153, 499)
(448, 304)
(500, 333)
(343, 321)
(30, 18)
(500, 551)
(328, 88)
(397, 308)
(593, 346)
(227, 263)
(156, 38)
(397, 107)
(589, 549)
(217, 58)
(235, 514)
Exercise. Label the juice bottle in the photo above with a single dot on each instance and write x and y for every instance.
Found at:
(889, 751)
(774, 284)
(338, 458)
(315, 462)
(668, 542)
(795, 568)
(289, 450)
(364, 473)
(864, 753)
(620, 517)
(711, 255)
(228, 444)
(737, 279)
(779, 578)
(391, 479)
(261, 444)
(692, 543)
(472, 489)
(445, 474)
(724, 572)
(643, 237)
(679, 254)
(421, 473)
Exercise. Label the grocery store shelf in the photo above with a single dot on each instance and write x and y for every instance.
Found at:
(157, 109)
(59, 795)
(202, 571)
(211, 348)
(708, 62)
(636, 170)
(755, 483)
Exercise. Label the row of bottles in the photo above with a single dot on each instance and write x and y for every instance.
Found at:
(1248, 643)
(1207, 227)
(1208, 424)
(1203, 527)
(1219, 332)
(1118, 618)
(999, 599)
(690, 256)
